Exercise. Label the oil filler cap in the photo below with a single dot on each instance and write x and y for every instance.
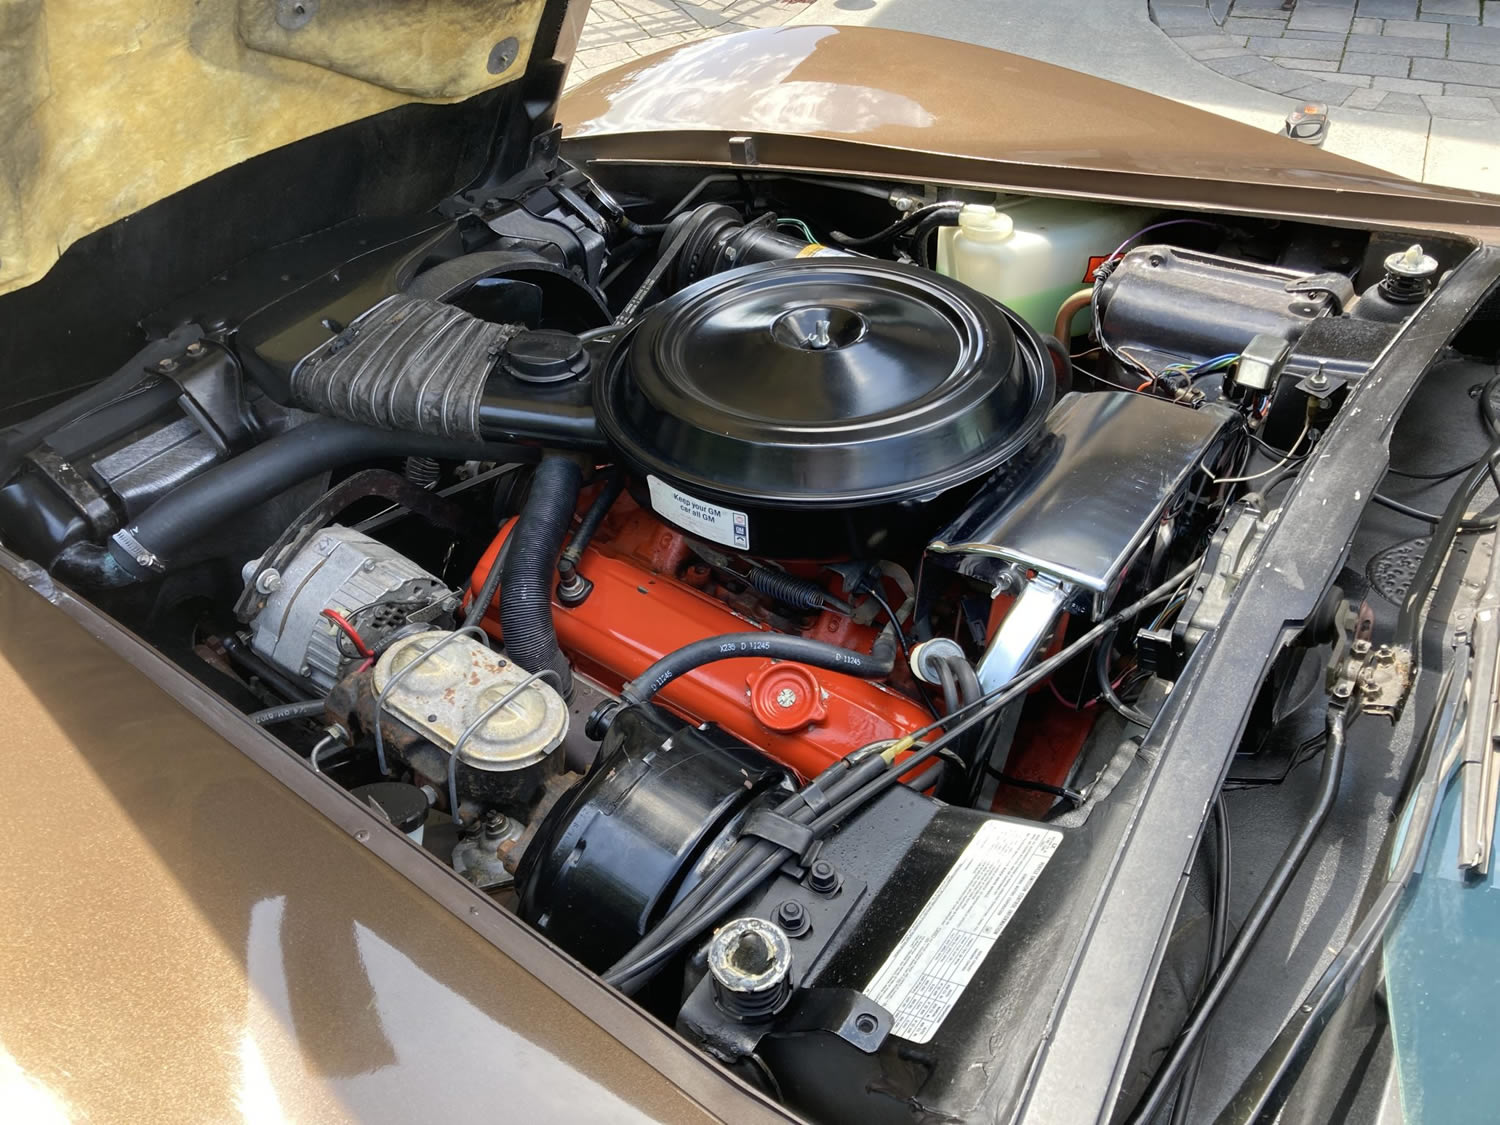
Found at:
(544, 355)
(786, 697)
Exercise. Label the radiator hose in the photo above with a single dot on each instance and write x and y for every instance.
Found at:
(531, 566)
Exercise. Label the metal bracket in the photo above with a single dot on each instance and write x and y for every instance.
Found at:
(742, 150)
(1339, 288)
(79, 490)
(852, 1016)
(1320, 384)
(1027, 624)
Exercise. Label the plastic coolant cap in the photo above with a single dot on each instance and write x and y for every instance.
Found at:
(981, 220)
(786, 697)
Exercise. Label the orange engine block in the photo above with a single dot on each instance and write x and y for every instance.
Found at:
(651, 595)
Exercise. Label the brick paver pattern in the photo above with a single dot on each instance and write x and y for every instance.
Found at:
(1420, 57)
(620, 30)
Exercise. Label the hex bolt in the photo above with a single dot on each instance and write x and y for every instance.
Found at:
(196, 348)
(1385, 654)
(268, 581)
(786, 697)
(1343, 689)
(1317, 380)
(791, 916)
(1360, 647)
(168, 364)
(822, 877)
(496, 824)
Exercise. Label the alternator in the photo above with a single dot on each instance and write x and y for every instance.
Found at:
(378, 592)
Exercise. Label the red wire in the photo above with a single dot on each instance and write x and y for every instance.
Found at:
(349, 631)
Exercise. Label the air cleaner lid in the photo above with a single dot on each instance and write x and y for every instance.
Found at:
(821, 383)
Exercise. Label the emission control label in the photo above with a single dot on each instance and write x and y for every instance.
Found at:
(931, 965)
(711, 521)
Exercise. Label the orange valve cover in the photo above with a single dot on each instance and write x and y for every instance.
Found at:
(636, 614)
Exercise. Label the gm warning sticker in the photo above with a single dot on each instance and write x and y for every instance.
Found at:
(710, 521)
(932, 964)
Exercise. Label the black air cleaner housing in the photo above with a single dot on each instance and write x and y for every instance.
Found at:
(801, 409)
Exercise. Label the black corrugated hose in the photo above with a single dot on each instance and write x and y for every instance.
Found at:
(530, 570)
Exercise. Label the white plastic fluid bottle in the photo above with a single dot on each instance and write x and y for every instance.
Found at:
(1030, 254)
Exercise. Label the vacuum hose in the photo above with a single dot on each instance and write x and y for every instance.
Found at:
(530, 568)
(778, 646)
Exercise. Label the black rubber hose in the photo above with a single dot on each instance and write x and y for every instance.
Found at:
(1063, 364)
(949, 684)
(614, 484)
(486, 595)
(1484, 523)
(642, 230)
(969, 687)
(184, 515)
(1107, 690)
(973, 744)
(900, 226)
(1180, 1053)
(922, 233)
(287, 712)
(777, 646)
(530, 570)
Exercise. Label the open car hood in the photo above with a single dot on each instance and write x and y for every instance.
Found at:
(874, 100)
(108, 107)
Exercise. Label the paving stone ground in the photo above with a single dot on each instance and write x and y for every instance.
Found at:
(619, 30)
(1437, 57)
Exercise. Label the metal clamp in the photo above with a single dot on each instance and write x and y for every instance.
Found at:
(783, 831)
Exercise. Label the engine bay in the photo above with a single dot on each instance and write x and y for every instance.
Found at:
(760, 585)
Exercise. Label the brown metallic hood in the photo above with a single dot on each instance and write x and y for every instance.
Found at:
(849, 98)
(186, 939)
